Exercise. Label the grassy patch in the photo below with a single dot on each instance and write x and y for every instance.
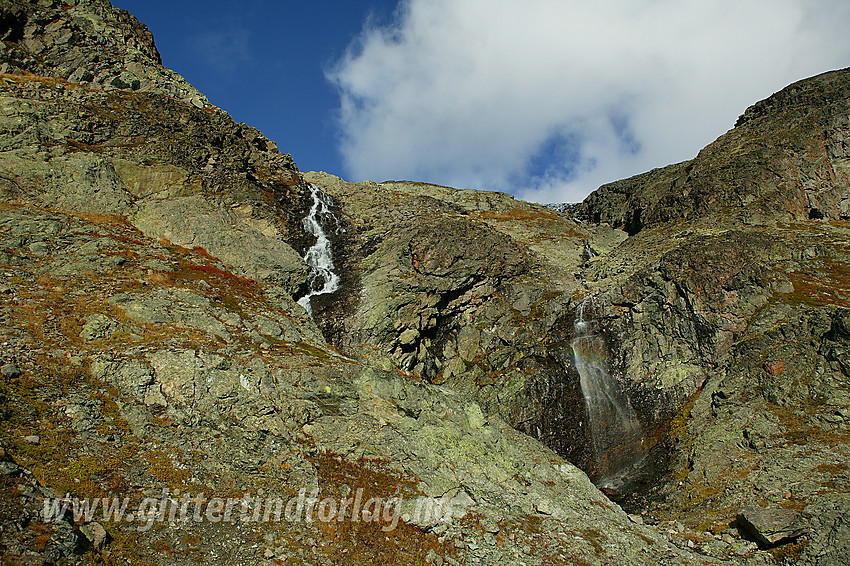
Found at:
(826, 285)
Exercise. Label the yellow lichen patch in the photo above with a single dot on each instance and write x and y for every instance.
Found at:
(163, 469)
(679, 423)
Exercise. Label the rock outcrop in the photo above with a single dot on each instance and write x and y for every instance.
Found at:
(178, 171)
(731, 295)
(782, 162)
(150, 266)
(89, 43)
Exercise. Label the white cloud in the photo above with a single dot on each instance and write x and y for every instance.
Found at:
(548, 99)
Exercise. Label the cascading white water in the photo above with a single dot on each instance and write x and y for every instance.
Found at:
(319, 258)
(616, 433)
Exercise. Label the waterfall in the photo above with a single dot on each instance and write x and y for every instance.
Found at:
(616, 434)
(319, 258)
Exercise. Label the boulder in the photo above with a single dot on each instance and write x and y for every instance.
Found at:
(770, 526)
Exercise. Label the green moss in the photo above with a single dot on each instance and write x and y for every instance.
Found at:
(85, 468)
(311, 350)
(679, 423)
(163, 469)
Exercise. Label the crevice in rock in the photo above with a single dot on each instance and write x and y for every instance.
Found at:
(12, 26)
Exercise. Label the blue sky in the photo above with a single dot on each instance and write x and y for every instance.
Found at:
(263, 61)
(544, 99)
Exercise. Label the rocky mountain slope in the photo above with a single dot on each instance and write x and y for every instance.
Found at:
(150, 263)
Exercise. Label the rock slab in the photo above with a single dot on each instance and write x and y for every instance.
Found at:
(771, 526)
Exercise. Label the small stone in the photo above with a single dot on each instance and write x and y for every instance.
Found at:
(32, 439)
(10, 371)
(743, 547)
(409, 336)
(489, 525)
(544, 506)
(9, 468)
(96, 534)
(637, 519)
(433, 558)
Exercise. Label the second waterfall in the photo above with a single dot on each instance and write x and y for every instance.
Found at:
(319, 258)
(616, 434)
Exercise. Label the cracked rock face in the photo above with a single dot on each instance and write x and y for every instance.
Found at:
(88, 43)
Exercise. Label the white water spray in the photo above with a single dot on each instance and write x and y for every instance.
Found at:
(616, 434)
(319, 257)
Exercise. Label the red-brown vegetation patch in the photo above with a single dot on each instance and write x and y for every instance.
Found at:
(350, 542)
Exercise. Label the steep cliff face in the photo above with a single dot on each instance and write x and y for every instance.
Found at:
(472, 290)
(87, 43)
(732, 292)
(178, 170)
(151, 258)
(722, 310)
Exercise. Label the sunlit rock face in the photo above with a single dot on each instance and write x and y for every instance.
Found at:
(152, 252)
